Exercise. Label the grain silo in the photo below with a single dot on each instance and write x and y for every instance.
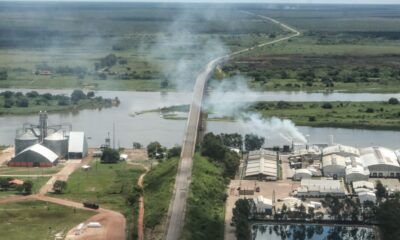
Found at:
(25, 140)
(58, 143)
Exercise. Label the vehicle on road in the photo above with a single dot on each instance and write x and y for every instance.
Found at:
(91, 205)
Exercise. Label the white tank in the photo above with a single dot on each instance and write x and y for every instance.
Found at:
(58, 143)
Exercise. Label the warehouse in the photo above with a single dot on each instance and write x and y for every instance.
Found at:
(367, 196)
(262, 165)
(77, 145)
(381, 162)
(356, 170)
(342, 150)
(320, 188)
(334, 165)
(35, 156)
(363, 186)
(302, 174)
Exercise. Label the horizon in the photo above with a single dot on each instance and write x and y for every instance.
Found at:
(305, 2)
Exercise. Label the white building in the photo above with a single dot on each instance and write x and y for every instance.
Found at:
(77, 145)
(300, 174)
(342, 150)
(333, 165)
(262, 165)
(381, 162)
(367, 196)
(356, 170)
(320, 188)
(263, 205)
(363, 186)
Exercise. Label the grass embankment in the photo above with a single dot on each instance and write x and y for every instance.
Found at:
(158, 186)
(363, 115)
(38, 220)
(206, 201)
(109, 185)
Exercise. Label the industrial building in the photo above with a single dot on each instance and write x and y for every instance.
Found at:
(300, 174)
(381, 162)
(367, 196)
(35, 156)
(320, 188)
(333, 165)
(263, 205)
(43, 145)
(77, 145)
(363, 186)
(356, 170)
(262, 165)
(341, 150)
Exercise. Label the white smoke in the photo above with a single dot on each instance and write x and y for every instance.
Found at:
(226, 100)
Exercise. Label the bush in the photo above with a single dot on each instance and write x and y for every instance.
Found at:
(77, 95)
(393, 101)
(32, 94)
(8, 103)
(155, 150)
(312, 119)
(23, 102)
(327, 105)
(110, 156)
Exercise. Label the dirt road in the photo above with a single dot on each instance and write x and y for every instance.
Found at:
(141, 207)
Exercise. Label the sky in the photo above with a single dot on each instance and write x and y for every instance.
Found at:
(244, 1)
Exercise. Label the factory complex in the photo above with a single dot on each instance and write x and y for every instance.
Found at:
(43, 145)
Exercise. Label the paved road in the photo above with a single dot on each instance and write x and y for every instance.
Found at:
(176, 212)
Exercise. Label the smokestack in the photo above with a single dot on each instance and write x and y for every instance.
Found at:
(43, 125)
(331, 139)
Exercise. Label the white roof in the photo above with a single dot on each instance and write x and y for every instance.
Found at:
(262, 200)
(42, 150)
(341, 149)
(379, 155)
(320, 185)
(363, 184)
(303, 171)
(76, 142)
(56, 136)
(261, 166)
(333, 160)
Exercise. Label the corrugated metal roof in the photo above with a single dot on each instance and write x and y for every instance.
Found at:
(379, 155)
(56, 136)
(42, 150)
(341, 149)
(76, 142)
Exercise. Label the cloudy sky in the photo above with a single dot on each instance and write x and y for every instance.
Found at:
(244, 1)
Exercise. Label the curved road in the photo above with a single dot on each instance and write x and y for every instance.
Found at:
(176, 212)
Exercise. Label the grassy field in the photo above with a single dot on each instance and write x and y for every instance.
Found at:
(365, 115)
(29, 171)
(39, 220)
(38, 182)
(206, 202)
(109, 185)
(158, 187)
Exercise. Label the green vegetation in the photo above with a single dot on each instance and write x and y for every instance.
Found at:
(125, 47)
(4, 170)
(109, 156)
(206, 202)
(33, 186)
(59, 186)
(241, 219)
(39, 220)
(158, 186)
(366, 115)
(33, 102)
(111, 186)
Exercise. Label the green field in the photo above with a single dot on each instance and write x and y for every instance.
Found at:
(38, 220)
(38, 182)
(158, 187)
(365, 115)
(205, 209)
(152, 43)
(109, 185)
(4, 170)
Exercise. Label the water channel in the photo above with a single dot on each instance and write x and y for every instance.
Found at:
(151, 126)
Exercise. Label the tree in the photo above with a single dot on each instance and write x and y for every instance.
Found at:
(174, 151)
(90, 94)
(3, 75)
(27, 187)
(380, 190)
(32, 94)
(388, 216)
(164, 83)
(4, 184)
(22, 102)
(393, 101)
(213, 147)
(8, 103)
(233, 140)
(327, 105)
(59, 186)
(253, 142)
(77, 95)
(136, 145)
(155, 150)
(241, 215)
(109, 156)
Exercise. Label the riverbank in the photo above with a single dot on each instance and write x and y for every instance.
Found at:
(18, 103)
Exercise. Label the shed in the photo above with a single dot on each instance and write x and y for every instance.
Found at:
(35, 156)
(77, 145)
(302, 174)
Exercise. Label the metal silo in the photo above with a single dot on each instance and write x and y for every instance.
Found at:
(24, 141)
(58, 143)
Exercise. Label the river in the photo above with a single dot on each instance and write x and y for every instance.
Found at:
(149, 127)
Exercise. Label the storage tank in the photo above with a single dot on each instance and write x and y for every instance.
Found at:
(58, 143)
(24, 141)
